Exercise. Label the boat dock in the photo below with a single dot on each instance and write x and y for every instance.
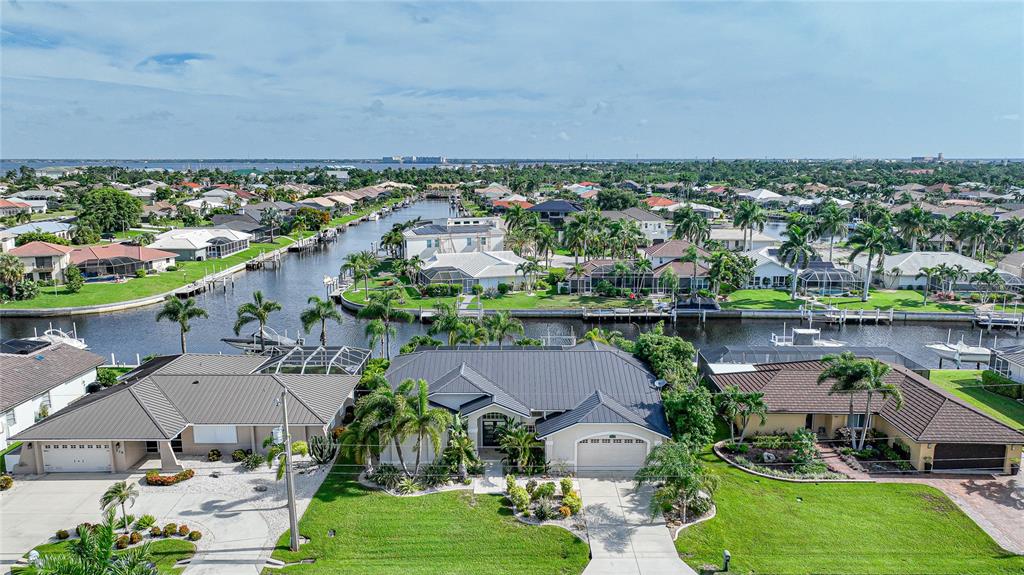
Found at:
(838, 316)
(988, 320)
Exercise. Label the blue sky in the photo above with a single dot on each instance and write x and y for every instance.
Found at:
(539, 80)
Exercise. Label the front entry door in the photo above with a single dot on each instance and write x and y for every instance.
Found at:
(490, 423)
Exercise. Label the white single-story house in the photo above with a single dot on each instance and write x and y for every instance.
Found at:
(40, 376)
(769, 272)
(199, 244)
(184, 404)
(488, 269)
(732, 239)
(60, 229)
(901, 270)
(594, 407)
(455, 235)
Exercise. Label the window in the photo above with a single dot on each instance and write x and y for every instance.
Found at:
(44, 400)
(430, 243)
(469, 241)
(855, 421)
(214, 434)
(483, 241)
(10, 418)
(44, 262)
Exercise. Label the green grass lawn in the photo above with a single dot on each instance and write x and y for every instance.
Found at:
(445, 533)
(519, 300)
(166, 552)
(785, 528)
(998, 406)
(103, 293)
(900, 300)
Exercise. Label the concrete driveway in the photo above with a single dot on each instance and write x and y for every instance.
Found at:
(624, 539)
(37, 507)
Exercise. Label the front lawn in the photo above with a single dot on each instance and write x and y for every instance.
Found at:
(854, 528)
(454, 532)
(966, 384)
(761, 299)
(105, 292)
(166, 552)
(900, 300)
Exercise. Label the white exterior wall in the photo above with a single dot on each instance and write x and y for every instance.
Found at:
(561, 446)
(655, 231)
(768, 270)
(60, 396)
(493, 241)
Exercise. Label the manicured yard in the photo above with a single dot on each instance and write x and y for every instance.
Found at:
(900, 300)
(761, 299)
(547, 300)
(166, 552)
(454, 532)
(998, 406)
(784, 528)
(134, 288)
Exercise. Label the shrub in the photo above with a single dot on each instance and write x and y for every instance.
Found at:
(238, 455)
(510, 482)
(122, 542)
(300, 448)
(556, 275)
(63, 534)
(770, 441)
(434, 474)
(804, 451)
(170, 529)
(172, 268)
(519, 497)
(253, 461)
(135, 537)
(564, 512)
(531, 485)
(195, 536)
(478, 289)
(543, 491)
(541, 285)
(6, 482)
(573, 501)
(996, 383)
(565, 484)
(155, 531)
(504, 288)
(124, 522)
(322, 449)
(544, 510)
(183, 530)
(386, 475)
(153, 477)
(140, 273)
(145, 522)
(213, 455)
(408, 486)
(699, 506)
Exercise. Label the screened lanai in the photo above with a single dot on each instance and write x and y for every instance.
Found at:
(315, 359)
(825, 279)
(115, 265)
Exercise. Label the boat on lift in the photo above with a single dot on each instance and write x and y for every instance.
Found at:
(804, 337)
(271, 340)
(959, 351)
(55, 335)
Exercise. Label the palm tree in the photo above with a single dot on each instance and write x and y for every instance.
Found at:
(425, 421)
(376, 331)
(913, 223)
(847, 372)
(873, 241)
(462, 451)
(502, 325)
(93, 554)
(270, 219)
(470, 332)
(748, 217)
(11, 271)
(446, 320)
(693, 257)
(546, 241)
(258, 310)
(361, 443)
(181, 311)
(386, 411)
(751, 404)
(728, 404)
(928, 273)
(119, 494)
(832, 222)
(528, 267)
(383, 305)
(873, 381)
(601, 335)
(989, 278)
(360, 265)
(796, 251)
(681, 474)
(319, 311)
(517, 442)
(641, 267)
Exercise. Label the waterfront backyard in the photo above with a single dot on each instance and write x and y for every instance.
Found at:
(966, 384)
(899, 300)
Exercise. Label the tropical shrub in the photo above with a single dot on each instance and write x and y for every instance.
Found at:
(238, 455)
(140, 273)
(170, 529)
(195, 536)
(122, 542)
(544, 510)
(300, 448)
(155, 531)
(556, 275)
(408, 486)
(670, 357)
(519, 497)
(62, 534)
(565, 484)
(804, 451)
(531, 485)
(699, 506)
(996, 383)
(564, 512)
(6, 482)
(322, 449)
(573, 501)
(543, 491)
(504, 288)
(434, 474)
(124, 522)
(386, 475)
(253, 461)
(213, 455)
(135, 537)
(510, 482)
(183, 530)
(770, 441)
(153, 477)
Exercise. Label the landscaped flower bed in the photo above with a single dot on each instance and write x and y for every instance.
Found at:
(153, 477)
(543, 502)
(877, 456)
(430, 478)
(783, 455)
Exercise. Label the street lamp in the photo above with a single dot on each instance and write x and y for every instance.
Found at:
(293, 520)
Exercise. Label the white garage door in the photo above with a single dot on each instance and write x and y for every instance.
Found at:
(76, 457)
(610, 454)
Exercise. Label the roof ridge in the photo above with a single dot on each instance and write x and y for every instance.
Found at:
(297, 398)
(142, 405)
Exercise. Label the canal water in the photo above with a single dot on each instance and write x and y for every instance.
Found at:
(132, 332)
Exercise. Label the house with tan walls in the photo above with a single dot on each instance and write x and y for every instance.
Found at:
(185, 405)
(941, 431)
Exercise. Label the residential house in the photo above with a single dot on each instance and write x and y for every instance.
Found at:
(1013, 262)
(120, 259)
(185, 405)
(493, 191)
(455, 235)
(624, 275)
(505, 205)
(902, 270)
(55, 195)
(37, 206)
(44, 261)
(709, 212)
(39, 377)
(13, 207)
(670, 251)
(769, 272)
(487, 269)
(732, 239)
(632, 186)
(59, 229)
(594, 408)
(159, 209)
(661, 203)
(654, 227)
(197, 244)
(940, 430)
(340, 175)
(146, 195)
(555, 212)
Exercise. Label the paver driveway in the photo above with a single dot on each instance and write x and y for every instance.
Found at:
(624, 539)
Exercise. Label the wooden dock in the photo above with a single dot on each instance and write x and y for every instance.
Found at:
(838, 316)
(989, 320)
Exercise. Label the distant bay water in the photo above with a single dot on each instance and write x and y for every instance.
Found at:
(226, 165)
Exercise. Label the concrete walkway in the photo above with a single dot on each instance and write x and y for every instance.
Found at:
(493, 480)
(624, 539)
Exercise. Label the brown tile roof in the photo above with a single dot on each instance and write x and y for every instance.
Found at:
(27, 376)
(672, 249)
(104, 252)
(682, 270)
(929, 414)
(37, 248)
(509, 203)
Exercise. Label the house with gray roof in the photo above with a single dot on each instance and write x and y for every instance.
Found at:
(185, 405)
(940, 430)
(593, 406)
(454, 235)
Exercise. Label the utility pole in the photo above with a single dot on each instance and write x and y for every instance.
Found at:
(293, 520)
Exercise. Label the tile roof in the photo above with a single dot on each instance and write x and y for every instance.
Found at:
(38, 248)
(27, 376)
(660, 202)
(673, 249)
(929, 414)
(108, 251)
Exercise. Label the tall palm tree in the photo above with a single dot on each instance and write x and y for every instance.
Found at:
(11, 272)
(502, 325)
(795, 252)
(546, 241)
(518, 442)
(847, 372)
(446, 320)
(320, 311)
(119, 494)
(989, 278)
(386, 410)
(748, 217)
(928, 273)
(692, 256)
(258, 310)
(425, 422)
(181, 311)
(383, 305)
(913, 223)
(360, 265)
(376, 331)
(873, 241)
(360, 442)
(470, 332)
(527, 268)
(832, 222)
(641, 267)
(873, 381)
(93, 554)
(271, 219)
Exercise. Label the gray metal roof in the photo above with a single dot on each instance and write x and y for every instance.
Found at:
(598, 408)
(436, 230)
(24, 377)
(159, 405)
(539, 379)
(466, 380)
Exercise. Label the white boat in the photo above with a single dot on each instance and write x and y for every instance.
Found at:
(810, 337)
(56, 335)
(961, 352)
(254, 344)
(373, 217)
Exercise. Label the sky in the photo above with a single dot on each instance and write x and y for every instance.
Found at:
(511, 80)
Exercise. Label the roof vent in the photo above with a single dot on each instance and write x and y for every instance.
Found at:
(659, 383)
(196, 382)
